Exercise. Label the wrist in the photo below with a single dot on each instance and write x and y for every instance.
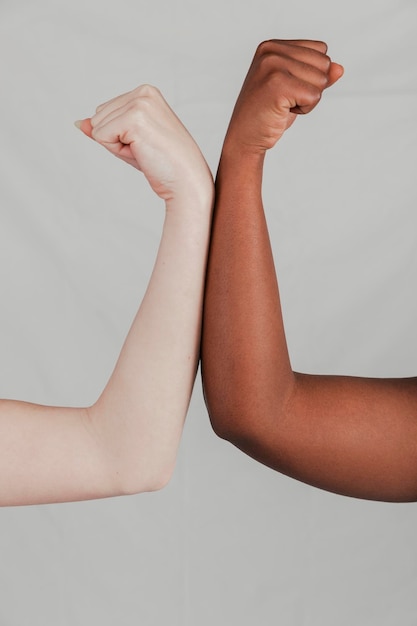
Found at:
(194, 199)
(242, 155)
(191, 179)
(239, 167)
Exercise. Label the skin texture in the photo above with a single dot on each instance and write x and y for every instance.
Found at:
(127, 441)
(353, 436)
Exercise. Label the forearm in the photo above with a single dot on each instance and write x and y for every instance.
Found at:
(243, 330)
(144, 404)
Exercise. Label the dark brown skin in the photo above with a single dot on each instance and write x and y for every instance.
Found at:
(352, 436)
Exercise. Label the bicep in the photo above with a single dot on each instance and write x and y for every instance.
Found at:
(359, 435)
(354, 436)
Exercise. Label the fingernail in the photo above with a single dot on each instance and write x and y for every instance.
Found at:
(77, 124)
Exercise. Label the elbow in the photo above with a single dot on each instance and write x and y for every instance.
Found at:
(144, 474)
(238, 409)
(125, 464)
(223, 423)
(161, 478)
(145, 481)
(230, 421)
(220, 418)
(252, 422)
(245, 428)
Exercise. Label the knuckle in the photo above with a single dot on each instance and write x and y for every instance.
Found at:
(325, 78)
(145, 100)
(273, 46)
(270, 63)
(264, 47)
(326, 61)
(272, 57)
(94, 134)
(146, 91)
(314, 96)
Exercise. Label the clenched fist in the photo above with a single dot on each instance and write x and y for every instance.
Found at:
(140, 128)
(285, 78)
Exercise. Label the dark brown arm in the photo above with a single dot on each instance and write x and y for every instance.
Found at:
(353, 436)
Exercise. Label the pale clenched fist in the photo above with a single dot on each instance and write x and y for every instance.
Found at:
(140, 128)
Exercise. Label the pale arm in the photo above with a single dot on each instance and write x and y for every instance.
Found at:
(127, 441)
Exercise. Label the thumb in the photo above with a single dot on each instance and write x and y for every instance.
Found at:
(336, 71)
(85, 126)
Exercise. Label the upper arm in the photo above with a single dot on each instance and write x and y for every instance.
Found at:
(354, 436)
(49, 454)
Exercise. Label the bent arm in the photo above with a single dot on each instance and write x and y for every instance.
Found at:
(352, 436)
(127, 441)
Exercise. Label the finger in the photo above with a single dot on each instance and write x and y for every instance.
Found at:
(109, 103)
(122, 152)
(85, 126)
(318, 46)
(298, 48)
(115, 105)
(114, 128)
(117, 126)
(110, 111)
(316, 78)
(107, 115)
(336, 71)
(109, 139)
(319, 78)
(308, 102)
(311, 53)
(300, 73)
(121, 100)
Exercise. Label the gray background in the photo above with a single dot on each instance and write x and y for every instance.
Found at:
(228, 542)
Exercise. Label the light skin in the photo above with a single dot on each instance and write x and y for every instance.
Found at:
(352, 436)
(127, 441)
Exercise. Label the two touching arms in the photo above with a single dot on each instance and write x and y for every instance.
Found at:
(127, 441)
(349, 435)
